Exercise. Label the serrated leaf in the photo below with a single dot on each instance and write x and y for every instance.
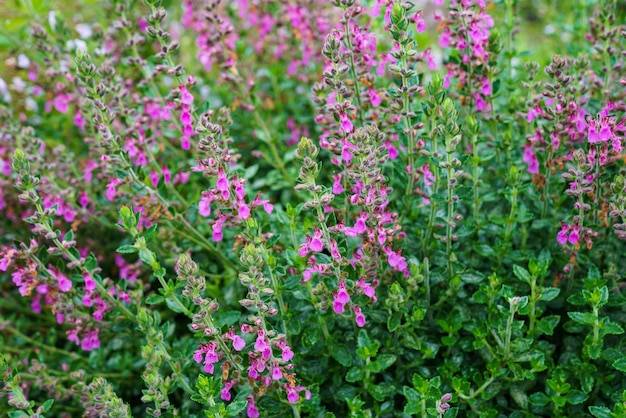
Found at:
(549, 293)
(386, 360)
(600, 411)
(355, 374)
(154, 299)
(272, 241)
(363, 340)
(620, 364)
(585, 318)
(547, 324)
(236, 408)
(47, 405)
(522, 274)
(342, 355)
(539, 399)
(413, 397)
(173, 305)
(485, 250)
(576, 397)
(393, 321)
(226, 319)
(610, 327)
(380, 391)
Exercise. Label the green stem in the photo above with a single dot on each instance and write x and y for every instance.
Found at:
(533, 306)
(450, 220)
(357, 90)
(277, 293)
(38, 343)
(480, 390)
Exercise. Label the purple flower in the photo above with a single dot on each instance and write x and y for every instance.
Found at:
(346, 124)
(204, 205)
(252, 411)
(292, 395)
(238, 343)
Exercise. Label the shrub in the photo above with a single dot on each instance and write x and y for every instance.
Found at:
(313, 208)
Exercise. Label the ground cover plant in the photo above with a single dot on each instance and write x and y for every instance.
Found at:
(324, 208)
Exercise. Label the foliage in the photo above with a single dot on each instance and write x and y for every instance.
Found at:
(312, 208)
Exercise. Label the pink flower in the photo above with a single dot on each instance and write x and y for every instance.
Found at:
(530, 158)
(292, 395)
(61, 103)
(204, 205)
(252, 411)
(185, 97)
(375, 98)
(276, 373)
(63, 282)
(573, 236)
(217, 229)
(225, 393)
(316, 244)
(592, 133)
(287, 353)
(338, 307)
(359, 317)
(244, 211)
(238, 343)
(420, 24)
(346, 124)
(90, 341)
(90, 284)
(337, 187)
(561, 237)
(334, 250)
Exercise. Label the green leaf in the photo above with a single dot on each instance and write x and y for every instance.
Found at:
(381, 391)
(47, 405)
(363, 340)
(485, 250)
(355, 374)
(539, 399)
(549, 293)
(594, 273)
(522, 274)
(585, 318)
(386, 360)
(272, 241)
(226, 319)
(604, 296)
(576, 397)
(154, 299)
(547, 324)
(610, 327)
(91, 262)
(342, 355)
(600, 411)
(620, 364)
(159, 273)
(413, 401)
(173, 305)
(393, 321)
(236, 408)
(594, 349)
(310, 336)
(519, 396)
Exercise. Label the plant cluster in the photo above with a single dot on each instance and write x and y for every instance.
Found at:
(325, 208)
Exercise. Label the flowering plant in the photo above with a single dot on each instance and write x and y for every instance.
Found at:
(312, 208)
